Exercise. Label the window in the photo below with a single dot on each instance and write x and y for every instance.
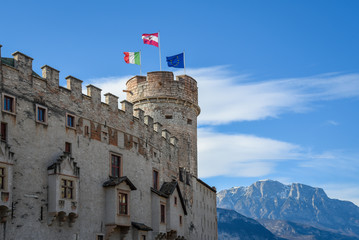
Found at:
(87, 132)
(67, 147)
(2, 178)
(168, 116)
(181, 174)
(3, 131)
(163, 213)
(189, 121)
(175, 200)
(8, 103)
(123, 206)
(41, 114)
(67, 189)
(100, 237)
(180, 220)
(143, 237)
(70, 120)
(155, 179)
(115, 165)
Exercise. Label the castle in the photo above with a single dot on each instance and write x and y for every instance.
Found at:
(73, 167)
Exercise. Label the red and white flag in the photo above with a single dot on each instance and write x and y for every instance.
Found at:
(151, 39)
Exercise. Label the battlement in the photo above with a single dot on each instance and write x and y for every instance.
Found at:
(18, 79)
(162, 84)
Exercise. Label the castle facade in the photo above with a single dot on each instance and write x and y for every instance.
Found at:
(73, 167)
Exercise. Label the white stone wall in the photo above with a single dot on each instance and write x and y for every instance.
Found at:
(36, 146)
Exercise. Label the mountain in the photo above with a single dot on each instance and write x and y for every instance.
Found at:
(297, 203)
(234, 226)
(298, 231)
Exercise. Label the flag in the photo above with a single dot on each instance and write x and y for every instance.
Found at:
(176, 61)
(151, 39)
(132, 57)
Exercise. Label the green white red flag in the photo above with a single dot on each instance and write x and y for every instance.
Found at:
(133, 57)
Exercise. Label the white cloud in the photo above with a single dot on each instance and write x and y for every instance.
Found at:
(114, 85)
(241, 155)
(332, 122)
(343, 192)
(225, 97)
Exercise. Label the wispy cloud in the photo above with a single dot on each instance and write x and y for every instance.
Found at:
(241, 155)
(226, 97)
(332, 122)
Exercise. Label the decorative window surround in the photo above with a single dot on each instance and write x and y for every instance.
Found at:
(63, 178)
(41, 114)
(8, 103)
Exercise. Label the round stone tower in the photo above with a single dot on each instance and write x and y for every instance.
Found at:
(174, 104)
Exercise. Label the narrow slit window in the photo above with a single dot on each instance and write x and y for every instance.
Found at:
(2, 178)
(168, 116)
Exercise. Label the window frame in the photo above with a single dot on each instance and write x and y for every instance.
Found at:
(45, 115)
(67, 187)
(13, 103)
(162, 213)
(100, 235)
(180, 220)
(68, 147)
(69, 115)
(126, 204)
(119, 166)
(5, 129)
(3, 177)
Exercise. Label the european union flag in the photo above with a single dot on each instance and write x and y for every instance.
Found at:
(175, 61)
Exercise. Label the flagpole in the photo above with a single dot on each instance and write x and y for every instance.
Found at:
(184, 62)
(140, 63)
(159, 49)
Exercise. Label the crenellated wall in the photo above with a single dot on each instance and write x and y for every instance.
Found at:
(138, 132)
(174, 103)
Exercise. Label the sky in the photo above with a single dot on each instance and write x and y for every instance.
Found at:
(278, 80)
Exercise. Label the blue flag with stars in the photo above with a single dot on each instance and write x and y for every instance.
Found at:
(175, 61)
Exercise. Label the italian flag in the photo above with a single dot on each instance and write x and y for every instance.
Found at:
(133, 57)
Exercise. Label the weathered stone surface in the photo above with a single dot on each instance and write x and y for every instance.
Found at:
(99, 131)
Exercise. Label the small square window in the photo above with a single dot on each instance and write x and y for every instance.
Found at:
(8, 103)
(41, 114)
(115, 165)
(70, 121)
(189, 121)
(100, 237)
(3, 131)
(123, 203)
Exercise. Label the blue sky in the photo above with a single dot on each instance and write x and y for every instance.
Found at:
(278, 80)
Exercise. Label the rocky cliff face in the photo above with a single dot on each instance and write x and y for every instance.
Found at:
(296, 203)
